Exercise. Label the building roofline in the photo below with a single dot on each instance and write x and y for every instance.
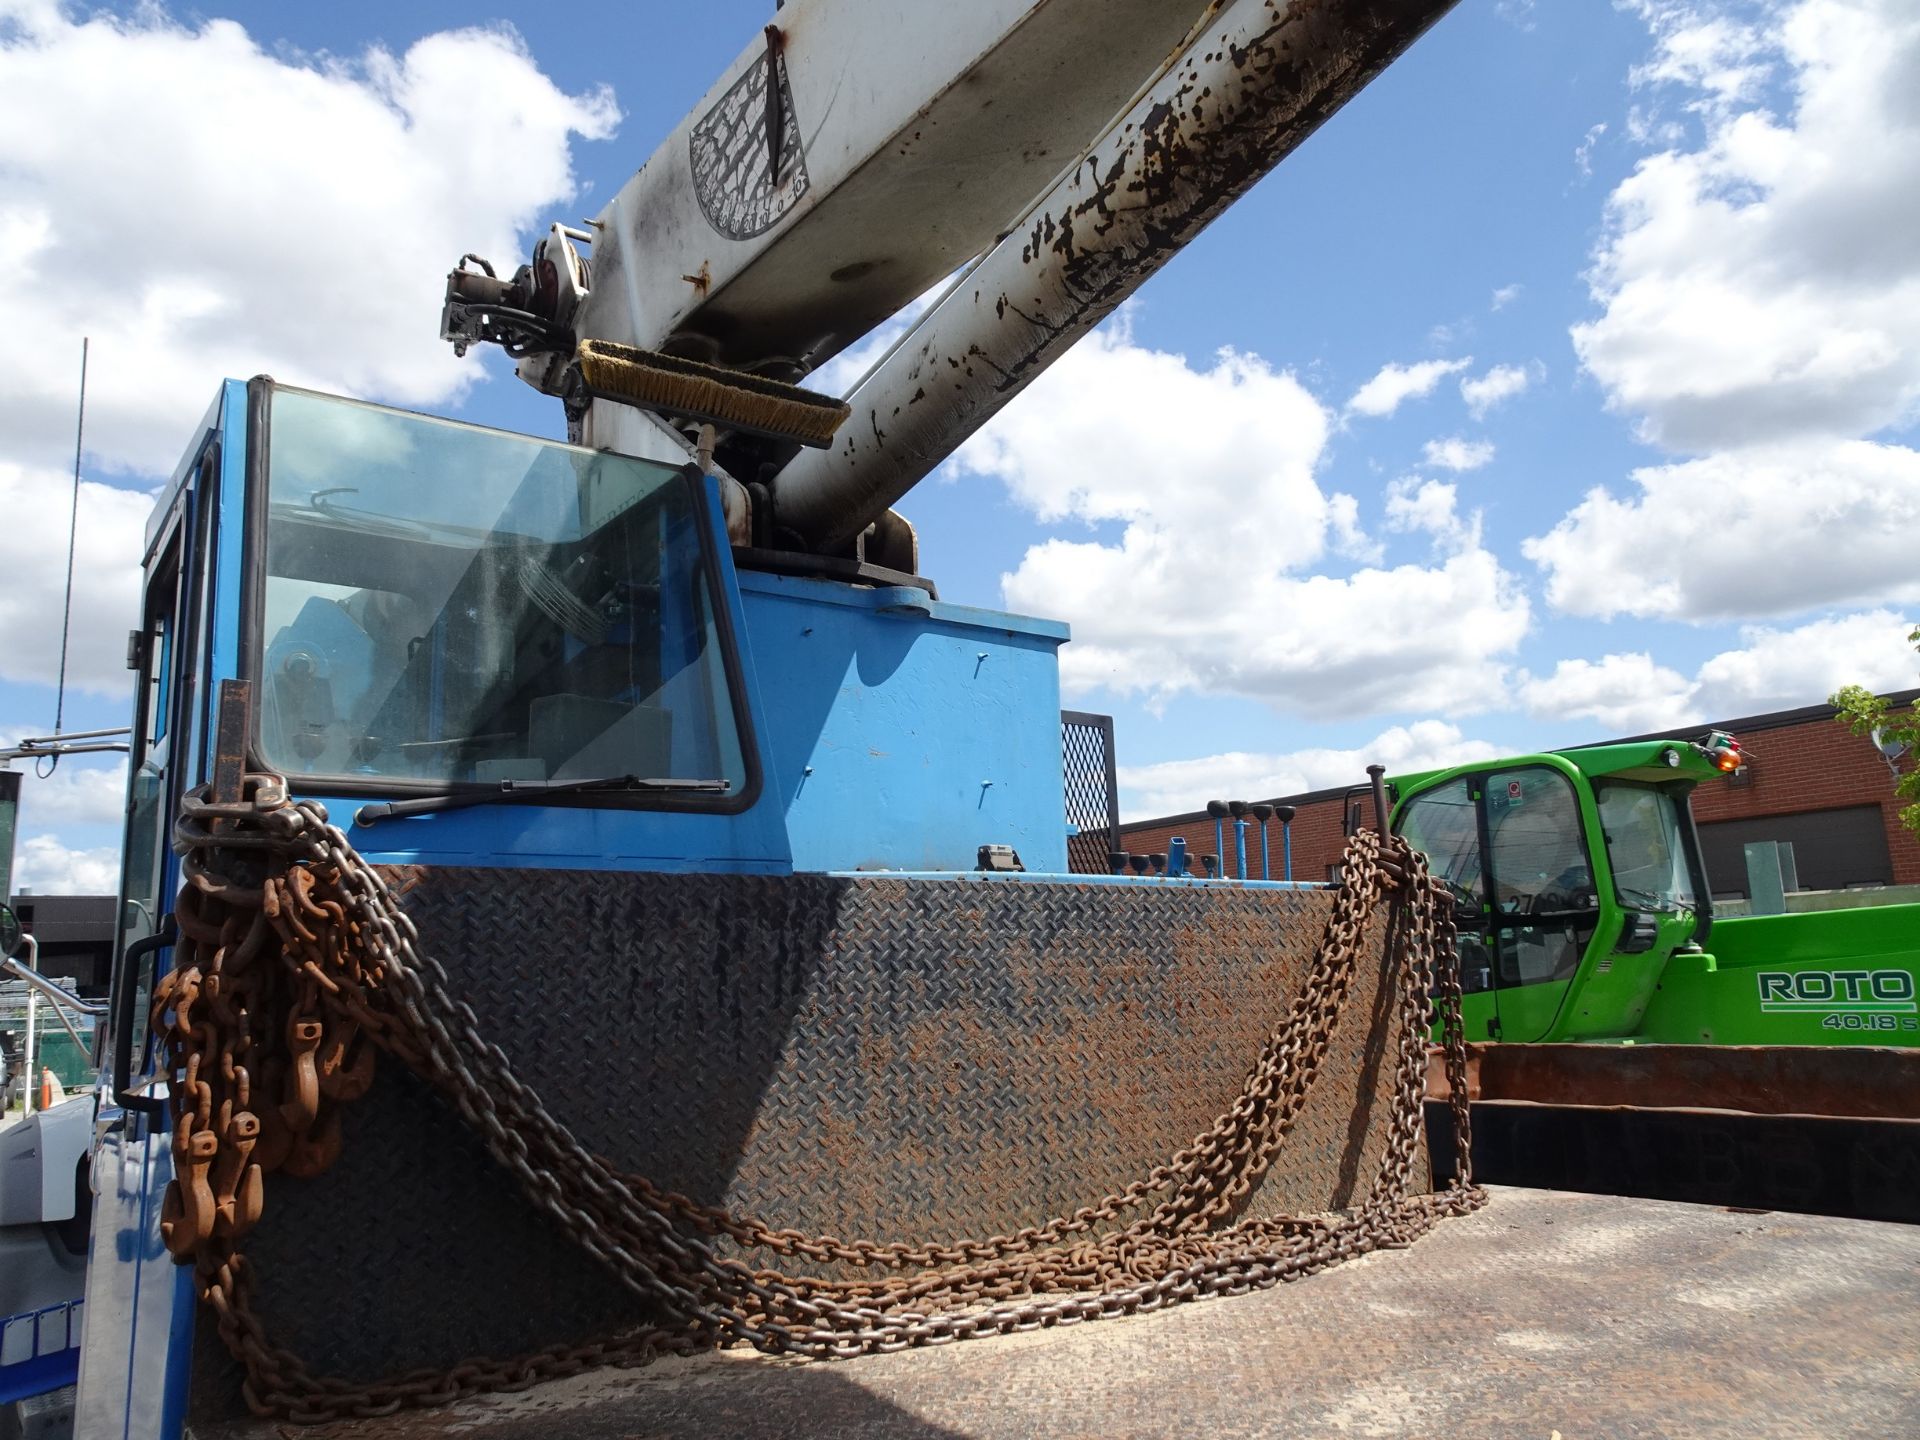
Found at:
(1747, 724)
(1201, 817)
(1744, 725)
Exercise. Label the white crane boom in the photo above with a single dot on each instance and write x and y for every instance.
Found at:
(852, 154)
(858, 151)
(1265, 75)
(907, 135)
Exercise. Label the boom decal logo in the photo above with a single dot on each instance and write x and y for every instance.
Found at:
(749, 168)
(1887, 992)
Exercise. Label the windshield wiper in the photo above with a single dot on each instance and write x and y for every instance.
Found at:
(1658, 902)
(508, 792)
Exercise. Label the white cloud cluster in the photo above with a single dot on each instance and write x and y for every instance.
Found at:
(1499, 385)
(1765, 285)
(107, 541)
(201, 207)
(1396, 383)
(44, 866)
(1625, 693)
(1777, 669)
(1716, 53)
(1759, 294)
(1176, 786)
(1742, 534)
(1457, 453)
(1432, 507)
(1211, 584)
(77, 792)
(1772, 670)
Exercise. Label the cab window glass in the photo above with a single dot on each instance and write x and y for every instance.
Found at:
(1642, 826)
(445, 604)
(1444, 825)
(1533, 826)
(1543, 892)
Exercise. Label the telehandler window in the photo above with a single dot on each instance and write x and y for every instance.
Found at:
(1644, 846)
(1543, 889)
(446, 604)
(1444, 825)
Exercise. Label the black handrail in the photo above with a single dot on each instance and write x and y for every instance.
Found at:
(132, 961)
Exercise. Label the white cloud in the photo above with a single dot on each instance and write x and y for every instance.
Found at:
(1625, 693)
(1395, 383)
(1741, 535)
(1505, 296)
(1457, 453)
(108, 541)
(1518, 13)
(1763, 285)
(44, 866)
(77, 792)
(1771, 670)
(1498, 385)
(1698, 47)
(1175, 786)
(1779, 669)
(1432, 507)
(1211, 586)
(1583, 154)
(202, 208)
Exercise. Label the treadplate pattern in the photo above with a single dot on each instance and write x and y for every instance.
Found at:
(894, 1059)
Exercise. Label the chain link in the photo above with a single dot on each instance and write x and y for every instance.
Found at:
(296, 964)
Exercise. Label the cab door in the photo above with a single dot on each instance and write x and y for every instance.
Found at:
(1542, 904)
(139, 1311)
(1509, 847)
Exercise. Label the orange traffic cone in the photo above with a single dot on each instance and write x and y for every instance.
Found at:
(51, 1090)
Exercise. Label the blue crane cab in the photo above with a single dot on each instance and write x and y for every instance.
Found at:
(754, 865)
(486, 650)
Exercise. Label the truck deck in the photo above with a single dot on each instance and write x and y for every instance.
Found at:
(1546, 1313)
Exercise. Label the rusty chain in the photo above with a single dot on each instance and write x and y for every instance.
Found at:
(296, 964)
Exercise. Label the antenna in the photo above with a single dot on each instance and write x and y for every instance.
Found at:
(73, 530)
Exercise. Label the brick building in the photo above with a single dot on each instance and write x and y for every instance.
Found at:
(1808, 781)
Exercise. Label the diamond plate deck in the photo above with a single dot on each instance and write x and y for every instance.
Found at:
(1590, 1317)
(914, 1059)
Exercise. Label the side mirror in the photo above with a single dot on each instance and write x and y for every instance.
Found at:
(10, 932)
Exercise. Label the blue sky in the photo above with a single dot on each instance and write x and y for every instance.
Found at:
(1563, 385)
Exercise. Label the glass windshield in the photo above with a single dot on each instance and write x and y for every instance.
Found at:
(1649, 862)
(1444, 826)
(444, 603)
(1533, 823)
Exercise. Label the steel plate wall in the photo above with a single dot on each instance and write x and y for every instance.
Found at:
(913, 1059)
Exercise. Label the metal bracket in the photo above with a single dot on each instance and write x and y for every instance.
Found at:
(232, 739)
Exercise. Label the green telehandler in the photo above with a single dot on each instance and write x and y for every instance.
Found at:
(1627, 1042)
(1585, 911)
